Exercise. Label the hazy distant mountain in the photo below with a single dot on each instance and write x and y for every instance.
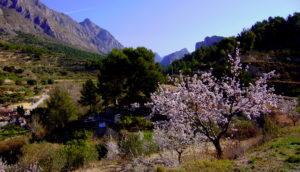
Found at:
(208, 41)
(171, 57)
(32, 16)
(157, 58)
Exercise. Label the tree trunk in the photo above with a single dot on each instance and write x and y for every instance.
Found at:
(218, 148)
(179, 156)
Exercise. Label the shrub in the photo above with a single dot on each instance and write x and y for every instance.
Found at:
(79, 153)
(38, 131)
(31, 82)
(133, 145)
(50, 81)
(19, 71)
(1, 81)
(63, 73)
(19, 82)
(83, 134)
(137, 144)
(45, 155)
(10, 149)
(270, 127)
(134, 122)
(243, 129)
(9, 68)
(44, 82)
(101, 149)
(293, 159)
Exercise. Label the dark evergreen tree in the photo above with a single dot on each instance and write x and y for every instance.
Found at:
(89, 95)
(61, 108)
(128, 76)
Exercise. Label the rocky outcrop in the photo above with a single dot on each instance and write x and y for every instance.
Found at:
(208, 41)
(32, 16)
(167, 60)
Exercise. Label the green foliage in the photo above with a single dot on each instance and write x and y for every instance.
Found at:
(89, 95)
(11, 131)
(134, 122)
(79, 153)
(209, 165)
(83, 134)
(48, 47)
(277, 34)
(128, 76)
(247, 40)
(12, 98)
(133, 145)
(270, 127)
(48, 156)
(137, 144)
(61, 108)
(1, 81)
(293, 159)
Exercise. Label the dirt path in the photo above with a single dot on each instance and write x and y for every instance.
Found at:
(35, 105)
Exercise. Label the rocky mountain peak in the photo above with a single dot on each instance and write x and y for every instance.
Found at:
(32, 16)
(208, 41)
(167, 60)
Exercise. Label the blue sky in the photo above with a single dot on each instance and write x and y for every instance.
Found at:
(166, 26)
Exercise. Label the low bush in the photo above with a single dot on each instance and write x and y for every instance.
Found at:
(50, 81)
(293, 159)
(19, 82)
(11, 131)
(137, 144)
(270, 127)
(101, 149)
(79, 153)
(134, 123)
(82, 134)
(1, 81)
(10, 149)
(243, 129)
(31, 82)
(47, 156)
(212, 166)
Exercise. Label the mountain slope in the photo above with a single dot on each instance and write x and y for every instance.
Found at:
(32, 16)
(157, 58)
(208, 41)
(171, 57)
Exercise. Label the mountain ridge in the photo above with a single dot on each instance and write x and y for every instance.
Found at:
(168, 59)
(32, 16)
(208, 41)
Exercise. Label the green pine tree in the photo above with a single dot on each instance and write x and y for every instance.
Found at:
(89, 95)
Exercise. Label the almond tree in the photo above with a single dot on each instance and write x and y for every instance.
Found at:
(289, 107)
(207, 105)
(173, 137)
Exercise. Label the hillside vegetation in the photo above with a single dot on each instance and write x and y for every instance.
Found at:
(272, 44)
(120, 113)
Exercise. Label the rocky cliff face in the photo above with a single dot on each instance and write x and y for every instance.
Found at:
(167, 60)
(32, 16)
(208, 41)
